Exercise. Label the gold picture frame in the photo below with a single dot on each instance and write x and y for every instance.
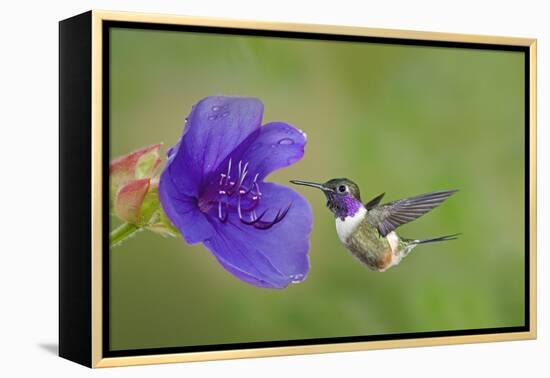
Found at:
(86, 33)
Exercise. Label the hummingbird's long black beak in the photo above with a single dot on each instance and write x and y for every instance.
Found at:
(312, 184)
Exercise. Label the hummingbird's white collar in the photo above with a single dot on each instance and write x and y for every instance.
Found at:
(347, 226)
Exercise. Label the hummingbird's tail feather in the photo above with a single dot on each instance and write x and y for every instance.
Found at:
(434, 240)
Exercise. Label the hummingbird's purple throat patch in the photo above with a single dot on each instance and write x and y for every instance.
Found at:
(346, 206)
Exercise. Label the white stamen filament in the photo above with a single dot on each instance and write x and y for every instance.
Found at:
(227, 188)
(239, 207)
(243, 177)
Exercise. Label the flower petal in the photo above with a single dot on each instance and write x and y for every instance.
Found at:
(129, 199)
(278, 145)
(183, 212)
(273, 257)
(215, 128)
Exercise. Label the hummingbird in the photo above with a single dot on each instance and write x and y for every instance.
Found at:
(368, 230)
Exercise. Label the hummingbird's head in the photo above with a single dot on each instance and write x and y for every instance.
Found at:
(343, 196)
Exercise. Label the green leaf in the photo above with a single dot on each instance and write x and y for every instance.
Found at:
(163, 226)
(149, 207)
(153, 217)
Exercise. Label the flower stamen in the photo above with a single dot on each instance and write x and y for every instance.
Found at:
(229, 168)
(244, 198)
(221, 216)
(239, 207)
(262, 225)
(257, 189)
(256, 220)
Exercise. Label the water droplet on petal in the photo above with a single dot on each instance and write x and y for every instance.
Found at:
(215, 108)
(211, 118)
(225, 114)
(296, 278)
(286, 141)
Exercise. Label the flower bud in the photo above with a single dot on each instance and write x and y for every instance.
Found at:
(130, 181)
(129, 200)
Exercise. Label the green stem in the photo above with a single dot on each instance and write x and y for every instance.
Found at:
(121, 233)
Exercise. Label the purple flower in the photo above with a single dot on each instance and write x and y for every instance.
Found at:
(213, 191)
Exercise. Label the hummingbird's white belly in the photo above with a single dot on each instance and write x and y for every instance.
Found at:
(393, 240)
(346, 227)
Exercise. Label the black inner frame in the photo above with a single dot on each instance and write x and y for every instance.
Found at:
(106, 25)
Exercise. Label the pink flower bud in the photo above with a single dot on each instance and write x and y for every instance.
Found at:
(129, 199)
(138, 164)
(130, 180)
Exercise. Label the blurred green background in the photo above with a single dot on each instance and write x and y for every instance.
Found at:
(397, 119)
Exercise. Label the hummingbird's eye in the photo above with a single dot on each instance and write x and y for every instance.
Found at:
(342, 188)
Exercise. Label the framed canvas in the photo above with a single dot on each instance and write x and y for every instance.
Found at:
(220, 189)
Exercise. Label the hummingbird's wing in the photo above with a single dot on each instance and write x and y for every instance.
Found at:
(391, 215)
(374, 202)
